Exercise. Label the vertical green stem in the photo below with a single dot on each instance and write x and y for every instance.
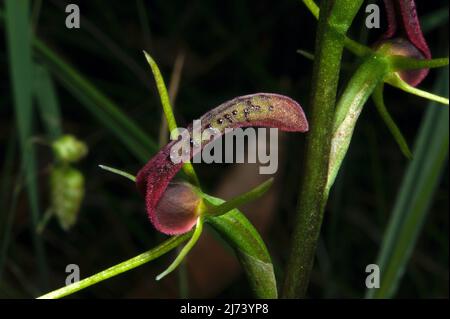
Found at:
(334, 21)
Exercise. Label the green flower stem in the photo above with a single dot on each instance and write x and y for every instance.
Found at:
(134, 262)
(370, 73)
(168, 112)
(334, 21)
(353, 46)
(378, 100)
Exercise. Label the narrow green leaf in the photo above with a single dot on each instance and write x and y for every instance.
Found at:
(162, 90)
(397, 82)
(21, 69)
(414, 198)
(168, 112)
(129, 264)
(312, 7)
(368, 75)
(306, 54)
(249, 247)
(393, 128)
(406, 63)
(131, 177)
(240, 200)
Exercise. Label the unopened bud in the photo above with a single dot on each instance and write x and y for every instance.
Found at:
(177, 210)
(402, 47)
(69, 149)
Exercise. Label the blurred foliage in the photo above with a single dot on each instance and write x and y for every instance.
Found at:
(231, 48)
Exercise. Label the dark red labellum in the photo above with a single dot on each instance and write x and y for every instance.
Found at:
(262, 109)
(403, 23)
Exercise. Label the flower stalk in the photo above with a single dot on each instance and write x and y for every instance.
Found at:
(334, 20)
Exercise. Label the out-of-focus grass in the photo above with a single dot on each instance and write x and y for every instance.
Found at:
(47, 101)
(21, 70)
(105, 110)
(415, 195)
(434, 19)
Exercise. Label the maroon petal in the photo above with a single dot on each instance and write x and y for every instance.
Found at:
(404, 27)
(262, 109)
(402, 47)
(176, 212)
(411, 26)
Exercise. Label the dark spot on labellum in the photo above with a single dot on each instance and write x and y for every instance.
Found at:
(246, 112)
(270, 107)
(228, 117)
(250, 104)
(234, 112)
(219, 121)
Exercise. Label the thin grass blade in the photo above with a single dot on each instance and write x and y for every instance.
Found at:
(415, 196)
(47, 101)
(21, 70)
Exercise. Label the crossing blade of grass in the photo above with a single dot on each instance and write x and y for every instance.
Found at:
(21, 71)
(416, 193)
(47, 101)
(104, 109)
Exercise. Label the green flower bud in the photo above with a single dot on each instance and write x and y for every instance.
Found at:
(67, 192)
(69, 149)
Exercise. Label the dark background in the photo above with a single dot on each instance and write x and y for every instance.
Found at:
(231, 48)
